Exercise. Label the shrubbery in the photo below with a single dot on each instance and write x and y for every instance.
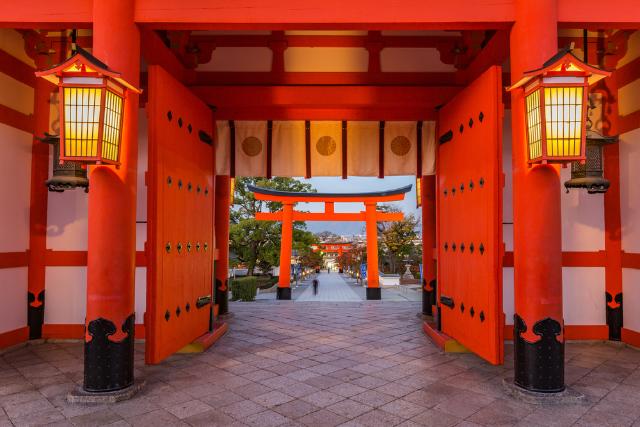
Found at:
(243, 288)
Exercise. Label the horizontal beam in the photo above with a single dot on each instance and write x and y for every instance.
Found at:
(318, 14)
(323, 216)
(361, 41)
(325, 102)
(222, 78)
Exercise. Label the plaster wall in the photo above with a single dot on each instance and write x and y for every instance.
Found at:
(582, 231)
(15, 188)
(629, 103)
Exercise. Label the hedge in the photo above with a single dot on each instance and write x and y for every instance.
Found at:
(244, 288)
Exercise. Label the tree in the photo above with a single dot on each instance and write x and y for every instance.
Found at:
(257, 243)
(396, 238)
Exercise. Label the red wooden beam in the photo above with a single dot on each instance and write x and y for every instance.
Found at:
(17, 69)
(496, 52)
(325, 102)
(324, 216)
(155, 52)
(318, 14)
(221, 78)
(362, 41)
(16, 119)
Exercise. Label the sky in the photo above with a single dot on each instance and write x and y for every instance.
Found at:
(356, 185)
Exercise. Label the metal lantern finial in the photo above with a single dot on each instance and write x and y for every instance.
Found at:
(91, 109)
(555, 108)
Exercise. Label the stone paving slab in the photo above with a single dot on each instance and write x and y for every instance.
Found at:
(287, 363)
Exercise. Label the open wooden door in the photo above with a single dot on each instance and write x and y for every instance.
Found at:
(180, 203)
(469, 216)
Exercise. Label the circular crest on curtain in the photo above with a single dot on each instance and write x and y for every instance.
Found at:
(326, 146)
(400, 145)
(251, 146)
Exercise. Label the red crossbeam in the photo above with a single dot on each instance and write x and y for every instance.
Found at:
(327, 216)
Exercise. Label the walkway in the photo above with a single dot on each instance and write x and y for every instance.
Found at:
(332, 288)
(320, 364)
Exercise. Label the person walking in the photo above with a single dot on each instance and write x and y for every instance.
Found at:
(315, 286)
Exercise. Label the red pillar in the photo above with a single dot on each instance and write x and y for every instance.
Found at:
(539, 358)
(428, 196)
(373, 284)
(284, 286)
(112, 217)
(39, 198)
(222, 206)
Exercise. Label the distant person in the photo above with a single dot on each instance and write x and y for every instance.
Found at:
(328, 270)
(315, 286)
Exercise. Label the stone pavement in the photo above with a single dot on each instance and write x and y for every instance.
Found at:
(331, 288)
(320, 364)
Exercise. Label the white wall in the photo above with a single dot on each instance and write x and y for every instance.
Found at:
(67, 231)
(630, 190)
(631, 298)
(582, 231)
(15, 189)
(13, 300)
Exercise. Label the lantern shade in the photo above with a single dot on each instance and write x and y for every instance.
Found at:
(92, 109)
(418, 192)
(556, 107)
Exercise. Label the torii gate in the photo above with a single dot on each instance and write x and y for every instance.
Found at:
(370, 215)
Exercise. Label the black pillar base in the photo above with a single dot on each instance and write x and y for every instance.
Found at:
(222, 297)
(374, 293)
(539, 366)
(35, 315)
(108, 365)
(614, 317)
(427, 309)
(283, 293)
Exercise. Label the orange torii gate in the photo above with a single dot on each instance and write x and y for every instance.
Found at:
(370, 216)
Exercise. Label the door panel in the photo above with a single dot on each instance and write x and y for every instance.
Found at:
(469, 209)
(180, 216)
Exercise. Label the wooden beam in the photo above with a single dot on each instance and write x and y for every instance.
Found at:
(155, 52)
(222, 78)
(324, 14)
(325, 102)
(318, 14)
(496, 52)
(324, 216)
(16, 119)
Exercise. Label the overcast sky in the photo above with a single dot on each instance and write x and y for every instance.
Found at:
(355, 185)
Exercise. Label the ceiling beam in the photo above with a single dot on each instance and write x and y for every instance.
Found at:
(319, 14)
(325, 102)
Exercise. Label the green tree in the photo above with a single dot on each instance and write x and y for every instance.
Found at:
(397, 239)
(257, 243)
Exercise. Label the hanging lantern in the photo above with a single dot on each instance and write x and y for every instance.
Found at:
(418, 192)
(590, 174)
(67, 175)
(91, 109)
(555, 108)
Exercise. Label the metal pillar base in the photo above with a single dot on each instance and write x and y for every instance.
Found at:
(427, 308)
(374, 293)
(283, 293)
(566, 396)
(80, 395)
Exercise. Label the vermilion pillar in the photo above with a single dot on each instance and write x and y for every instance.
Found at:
(222, 206)
(284, 285)
(538, 321)
(39, 196)
(428, 196)
(112, 217)
(373, 284)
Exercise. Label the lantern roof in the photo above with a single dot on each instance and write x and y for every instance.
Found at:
(564, 62)
(83, 62)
